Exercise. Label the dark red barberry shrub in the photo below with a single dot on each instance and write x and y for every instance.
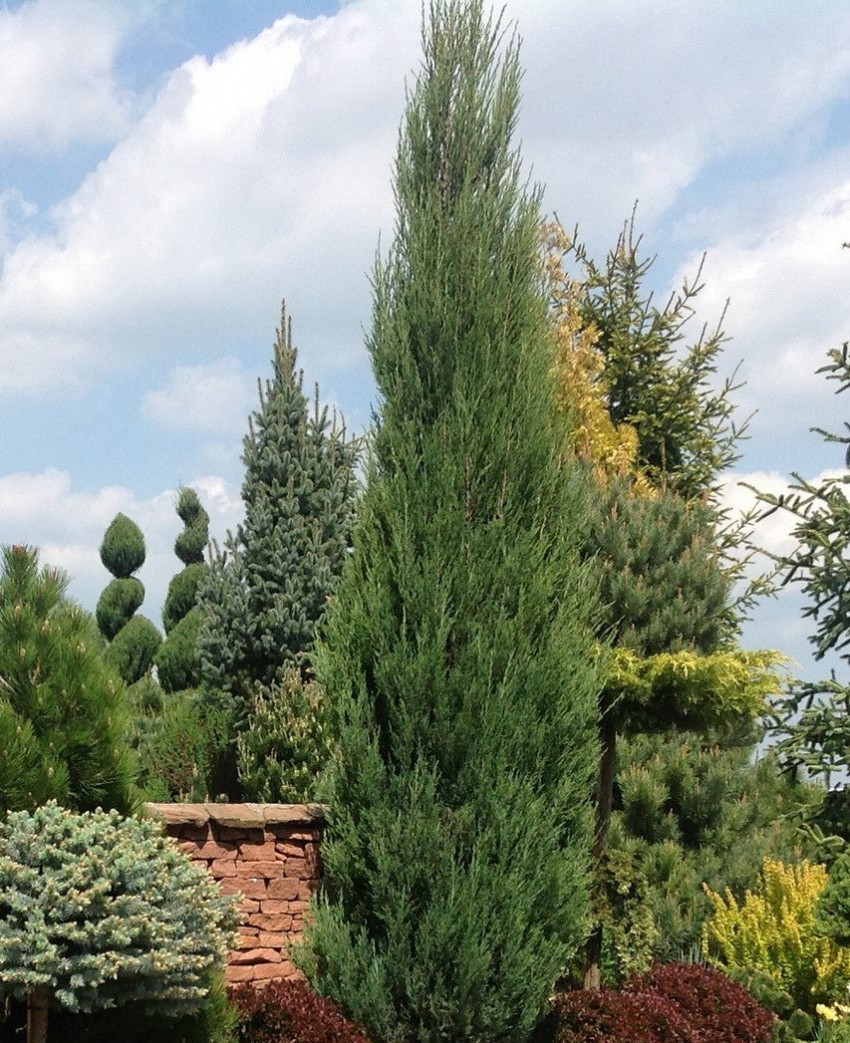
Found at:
(608, 1016)
(720, 1010)
(290, 1012)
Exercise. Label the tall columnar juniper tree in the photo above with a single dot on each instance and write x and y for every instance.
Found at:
(62, 710)
(457, 652)
(178, 659)
(266, 593)
(133, 640)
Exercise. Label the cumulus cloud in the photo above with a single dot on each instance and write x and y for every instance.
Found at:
(206, 398)
(56, 73)
(264, 171)
(260, 172)
(786, 277)
(45, 510)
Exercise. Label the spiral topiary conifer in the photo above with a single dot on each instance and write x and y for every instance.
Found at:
(178, 659)
(457, 653)
(133, 640)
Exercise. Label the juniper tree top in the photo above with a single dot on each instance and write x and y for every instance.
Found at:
(457, 652)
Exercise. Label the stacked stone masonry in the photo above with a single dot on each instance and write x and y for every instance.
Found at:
(269, 853)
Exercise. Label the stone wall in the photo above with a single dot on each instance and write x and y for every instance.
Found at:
(267, 852)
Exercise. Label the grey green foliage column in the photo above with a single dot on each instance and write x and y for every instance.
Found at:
(457, 651)
(267, 592)
(133, 640)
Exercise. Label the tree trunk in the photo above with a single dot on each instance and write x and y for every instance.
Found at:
(604, 804)
(37, 1011)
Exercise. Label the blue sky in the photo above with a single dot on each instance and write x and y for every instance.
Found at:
(171, 169)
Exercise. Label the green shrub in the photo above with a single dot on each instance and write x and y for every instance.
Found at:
(178, 748)
(192, 540)
(123, 548)
(97, 910)
(117, 603)
(832, 912)
(287, 743)
(177, 660)
(133, 650)
(182, 594)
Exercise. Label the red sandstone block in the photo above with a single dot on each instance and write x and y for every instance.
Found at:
(289, 889)
(296, 867)
(223, 867)
(248, 888)
(233, 974)
(267, 870)
(290, 850)
(256, 956)
(213, 850)
(281, 922)
(249, 941)
(299, 907)
(248, 906)
(272, 939)
(301, 835)
(254, 836)
(274, 905)
(257, 852)
(285, 969)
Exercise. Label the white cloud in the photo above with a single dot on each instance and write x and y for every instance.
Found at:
(265, 171)
(786, 277)
(45, 510)
(259, 173)
(56, 72)
(208, 398)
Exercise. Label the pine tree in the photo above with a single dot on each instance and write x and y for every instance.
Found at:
(813, 720)
(689, 810)
(177, 659)
(62, 711)
(267, 592)
(654, 433)
(458, 653)
(133, 640)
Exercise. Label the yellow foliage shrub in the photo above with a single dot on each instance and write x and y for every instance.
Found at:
(772, 932)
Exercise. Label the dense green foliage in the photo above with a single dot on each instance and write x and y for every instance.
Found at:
(179, 738)
(116, 605)
(458, 649)
(689, 810)
(62, 711)
(135, 638)
(97, 910)
(287, 743)
(267, 591)
(832, 914)
(123, 548)
(178, 660)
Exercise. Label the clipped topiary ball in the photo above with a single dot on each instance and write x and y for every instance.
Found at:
(117, 603)
(182, 595)
(123, 547)
(177, 661)
(133, 648)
